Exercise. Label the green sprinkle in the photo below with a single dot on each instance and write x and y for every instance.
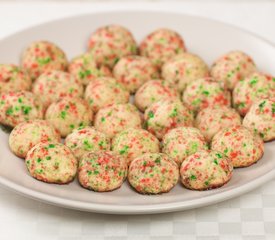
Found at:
(72, 126)
(9, 111)
(253, 81)
(51, 146)
(63, 114)
(28, 162)
(144, 163)
(48, 157)
(39, 170)
(216, 162)
(261, 105)
(116, 60)
(43, 61)
(87, 144)
(103, 119)
(39, 160)
(89, 173)
(124, 149)
(206, 183)
(205, 93)
(26, 109)
(151, 114)
(174, 113)
(96, 172)
(225, 150)
(157, 160)
(193, 177)
(218, 155)
(20, 100)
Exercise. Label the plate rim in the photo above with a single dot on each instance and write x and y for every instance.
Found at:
(135, 209)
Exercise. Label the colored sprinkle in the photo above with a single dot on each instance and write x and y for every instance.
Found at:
(193, 177)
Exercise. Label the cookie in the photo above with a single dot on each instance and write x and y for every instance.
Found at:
(132, 143)
(116, 118)
(68, 114)
(153, 173)
(84, 140)
(183, 69)
(205, 170)
(181, 142)
(239, 144)
(51, 163)
(102, 171)
(43, 56)
(153, 91)
(27, 134)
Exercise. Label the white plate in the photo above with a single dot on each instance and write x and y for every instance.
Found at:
(205, 37)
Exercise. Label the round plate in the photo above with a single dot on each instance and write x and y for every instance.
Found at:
(207, 38)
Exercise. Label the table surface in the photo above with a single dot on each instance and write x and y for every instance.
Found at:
(249, 217)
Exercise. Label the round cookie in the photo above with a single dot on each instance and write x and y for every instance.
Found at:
(206, 170)
(27, 134)
(116, 118)
(205, 92)
(52, 85)
(13, 79)
(153, 173)
(161, 45)
(84, 140)
(183, 69)
(85, 69)
(166, 114)
(232, 67)
(110, 43)
(153, 91)
(67, 114)
(17, 107)
(213, 119)
(134, 71)
(102, 171)
(181, 142)
(261, 118)
(51, 163)
(240, 144)
(102, 92)
(132, 143)
(255, 87)
(43, 56)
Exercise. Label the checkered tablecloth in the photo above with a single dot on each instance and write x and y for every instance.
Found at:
(248, 217)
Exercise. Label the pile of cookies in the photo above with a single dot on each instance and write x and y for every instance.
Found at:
(187, 121)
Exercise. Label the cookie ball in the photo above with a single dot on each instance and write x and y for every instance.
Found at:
(206, 170)
(110, 43)
(17, 107)
(205, 92)
(161, 45)
(102, 92)
(261, 119)
(68, 114)
(166, 114)
(51, 163)
(233, 67)
(183, 69)
(43, 56)
(27, 134)
(102, 171)
(53, 85)
(153, 173)
(134, 71)
(85, 69)
(213, 119)
(255, 87)
(240, 144)
(153, 91)
(116, 118)
(132, 143)
(13, 79)
(84, 140)
(181, 142)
